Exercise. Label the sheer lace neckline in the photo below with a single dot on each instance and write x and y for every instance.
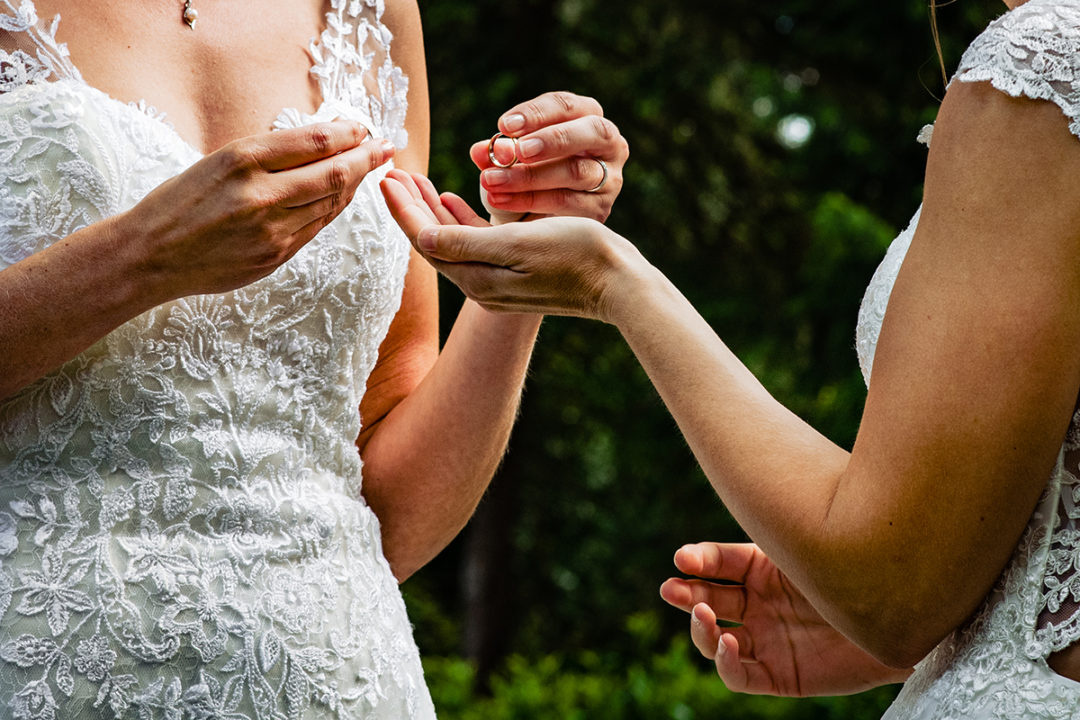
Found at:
(330, 53)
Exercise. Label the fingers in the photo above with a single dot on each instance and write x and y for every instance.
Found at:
(547, 109)
(294, 147)
(557, 140)
(591, 135)
(431, 196)
(326, 209)
(337, 175)
(581, 172)
(463, 214)
(406, 204)
(728, 602)
(738, 672)
(704, 632)
(719, 561)
(553, 202)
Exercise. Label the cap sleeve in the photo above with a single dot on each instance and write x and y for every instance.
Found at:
(1032, 51)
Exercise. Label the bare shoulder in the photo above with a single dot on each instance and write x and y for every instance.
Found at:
(402, 18)
(981, 125)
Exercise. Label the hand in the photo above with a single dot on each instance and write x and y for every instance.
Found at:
(783, 646)
(561, 266)
(559, 134)
(242, 211)
(415, 204)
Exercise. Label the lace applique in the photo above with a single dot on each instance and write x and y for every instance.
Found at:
(1032, 51)
(926, 135)
(353, 64)
(19, 67)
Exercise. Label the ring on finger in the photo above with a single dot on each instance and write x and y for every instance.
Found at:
(491, 151)
(603, 180)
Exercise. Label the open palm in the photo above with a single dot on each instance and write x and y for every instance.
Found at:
(782, 645)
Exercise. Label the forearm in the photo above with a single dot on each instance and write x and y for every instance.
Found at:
(57, 302)
(776, 474)
(430, 459)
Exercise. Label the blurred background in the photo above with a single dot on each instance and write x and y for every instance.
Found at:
(773, 158)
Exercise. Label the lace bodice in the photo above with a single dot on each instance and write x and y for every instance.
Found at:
(182, 533)
(995, 665)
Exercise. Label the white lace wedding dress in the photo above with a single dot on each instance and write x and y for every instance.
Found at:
(182, 534)
(994, 667)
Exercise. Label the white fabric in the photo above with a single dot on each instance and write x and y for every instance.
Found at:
(994, 667)
(182, 533)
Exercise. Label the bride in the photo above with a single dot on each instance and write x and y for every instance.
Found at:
(948, 538)
(209, 332)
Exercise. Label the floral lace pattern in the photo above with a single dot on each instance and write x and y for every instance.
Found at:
(182, 534)
(1031, 51)
(994, 667)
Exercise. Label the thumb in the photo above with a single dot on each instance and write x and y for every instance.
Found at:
(461, 243)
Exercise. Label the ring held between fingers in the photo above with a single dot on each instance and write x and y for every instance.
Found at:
(493, 157)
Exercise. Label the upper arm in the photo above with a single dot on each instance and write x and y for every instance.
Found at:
(977, 368)
(402, 18)
(411, 345)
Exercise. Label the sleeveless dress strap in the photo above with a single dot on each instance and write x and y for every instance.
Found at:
(29, 52)
(353, 65)
(1032, 51)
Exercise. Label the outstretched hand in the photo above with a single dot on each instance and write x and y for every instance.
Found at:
(781, 646)
(557, 265)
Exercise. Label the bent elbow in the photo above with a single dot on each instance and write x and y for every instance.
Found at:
(897, 652)
(897, 634)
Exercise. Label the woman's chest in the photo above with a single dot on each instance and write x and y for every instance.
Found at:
(228, 77)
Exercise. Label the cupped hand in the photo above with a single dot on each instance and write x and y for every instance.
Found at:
(561, 137)
(240, 212)
(555, 265)
(781, 646)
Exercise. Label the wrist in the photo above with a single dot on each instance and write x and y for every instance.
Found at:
(628, 277)
(133, 242)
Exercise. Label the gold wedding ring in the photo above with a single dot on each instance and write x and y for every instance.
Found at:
(603, 180)
(495, 161)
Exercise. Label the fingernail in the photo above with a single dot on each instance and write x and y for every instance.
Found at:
(498, 198)
(495, 176)
(513, 122)
(427, 239)
(694, 619)
(721, 648)
(386, 147)
(530, 147)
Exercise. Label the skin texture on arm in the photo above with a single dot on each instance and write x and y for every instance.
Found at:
(975, 378)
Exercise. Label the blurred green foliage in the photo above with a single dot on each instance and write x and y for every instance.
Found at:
(774, 241)
(667, 685)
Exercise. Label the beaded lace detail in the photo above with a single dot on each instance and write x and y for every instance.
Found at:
(182, 535)
(995, 665)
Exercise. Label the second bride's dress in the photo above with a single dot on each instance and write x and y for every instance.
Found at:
(182, 534)
(995, 667)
